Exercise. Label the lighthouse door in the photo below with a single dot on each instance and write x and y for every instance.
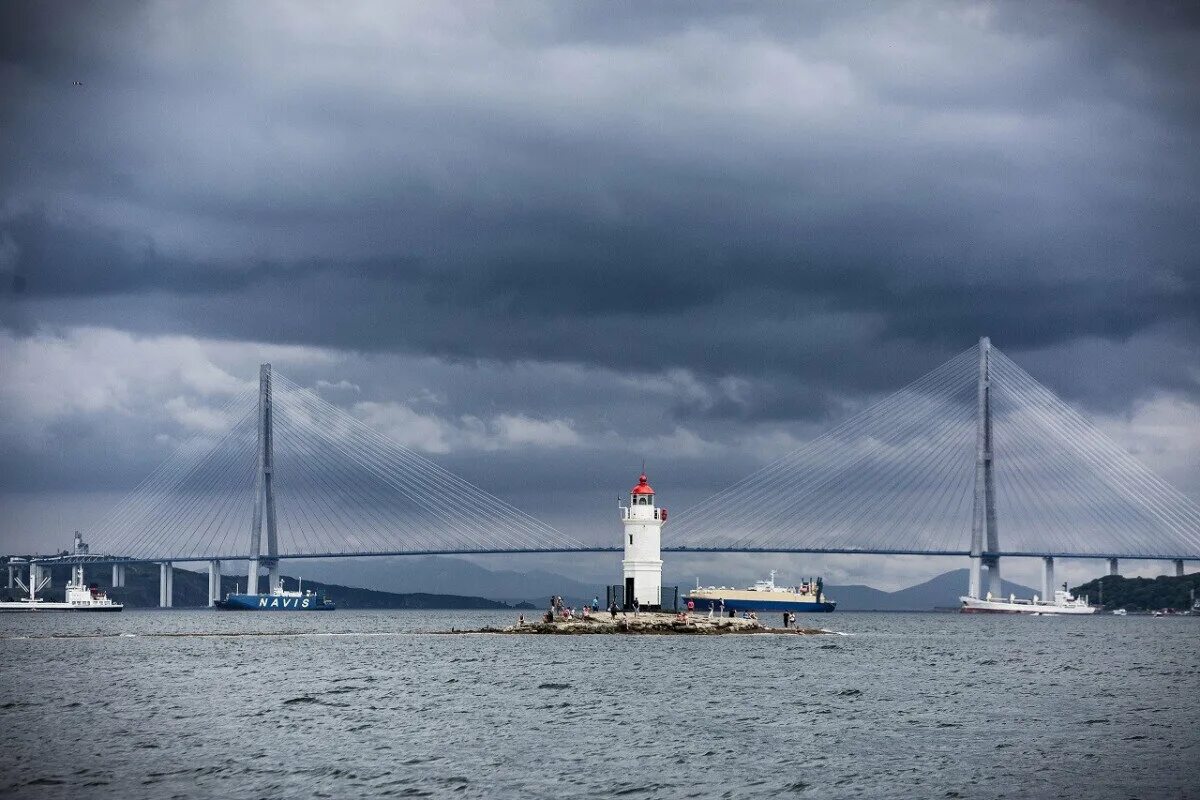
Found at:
(629, 598)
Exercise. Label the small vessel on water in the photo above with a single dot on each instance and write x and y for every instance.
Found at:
(79, 597)
(763, 596)
(279, 599)
(1063, 603)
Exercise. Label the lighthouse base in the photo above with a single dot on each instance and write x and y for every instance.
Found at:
(643, 584)
(614, 594)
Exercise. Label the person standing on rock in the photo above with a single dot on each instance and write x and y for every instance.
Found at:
(792, 618)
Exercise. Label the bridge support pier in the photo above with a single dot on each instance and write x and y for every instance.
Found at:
(985, 535)
(166, 584)
(118, 578)
(214, 582)
(995, 587)
(1113, 567)
(1179, 568)
(1048, 585)
(272, 575)
(264, 491)
(11, 574)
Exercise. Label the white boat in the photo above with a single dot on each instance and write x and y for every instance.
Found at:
(79, 597)
(1119, 612)
(1063, 603)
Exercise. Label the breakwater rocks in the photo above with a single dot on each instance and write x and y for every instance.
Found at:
(648, 623)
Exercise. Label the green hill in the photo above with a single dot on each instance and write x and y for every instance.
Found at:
(1142, 594)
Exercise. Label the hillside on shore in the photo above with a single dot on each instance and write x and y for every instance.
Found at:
(1142, 594)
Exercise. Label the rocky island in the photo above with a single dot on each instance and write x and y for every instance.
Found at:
(646, 622)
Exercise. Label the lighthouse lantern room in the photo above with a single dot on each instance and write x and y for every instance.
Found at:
(642, 566)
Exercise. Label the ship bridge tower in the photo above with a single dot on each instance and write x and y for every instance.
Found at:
(80, 548)
(642, 567)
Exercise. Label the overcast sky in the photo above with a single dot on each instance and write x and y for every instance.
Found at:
(541, 242)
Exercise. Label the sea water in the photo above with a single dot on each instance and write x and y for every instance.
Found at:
(365, 704)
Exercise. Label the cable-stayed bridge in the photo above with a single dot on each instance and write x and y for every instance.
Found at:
(976, 458)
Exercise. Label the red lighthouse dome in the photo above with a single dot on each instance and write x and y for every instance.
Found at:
(642, 486)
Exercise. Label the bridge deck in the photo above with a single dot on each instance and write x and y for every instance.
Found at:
(101, 559)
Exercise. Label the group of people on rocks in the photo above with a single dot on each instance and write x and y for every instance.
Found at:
(561, 610)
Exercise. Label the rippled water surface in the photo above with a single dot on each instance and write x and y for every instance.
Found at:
(153, 704)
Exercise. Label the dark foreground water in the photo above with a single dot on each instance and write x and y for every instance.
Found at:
(364, 704)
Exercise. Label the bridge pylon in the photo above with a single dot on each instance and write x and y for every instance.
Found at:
(985, 536)
(264, 490)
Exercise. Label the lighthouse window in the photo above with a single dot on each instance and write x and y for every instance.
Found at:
(631, 538)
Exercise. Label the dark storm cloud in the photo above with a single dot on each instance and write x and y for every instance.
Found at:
(824, 200)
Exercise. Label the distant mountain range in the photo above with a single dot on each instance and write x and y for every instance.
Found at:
(441, 575)
(442, 582)
(940, 592)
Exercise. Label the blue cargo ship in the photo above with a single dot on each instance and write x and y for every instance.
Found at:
(809, 597)
(278, 600)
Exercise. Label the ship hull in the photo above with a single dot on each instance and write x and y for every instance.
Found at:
(38, 608)
(972, 605)
(266, 602)
(702, 604)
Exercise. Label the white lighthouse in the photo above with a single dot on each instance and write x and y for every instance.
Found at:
(642, 566)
